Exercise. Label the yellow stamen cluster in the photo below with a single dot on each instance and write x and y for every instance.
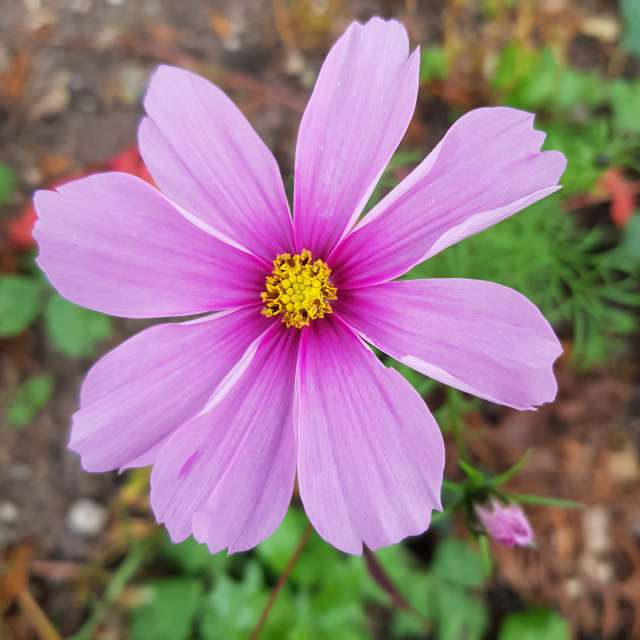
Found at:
(299, 289)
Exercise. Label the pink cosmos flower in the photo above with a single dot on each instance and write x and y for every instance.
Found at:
(278, 381)
(506, 523)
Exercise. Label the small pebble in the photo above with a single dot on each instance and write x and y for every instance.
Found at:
(80, 6)
(8, 512)
(595, 524)
(87, 517)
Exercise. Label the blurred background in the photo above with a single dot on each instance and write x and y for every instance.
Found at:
(80, 555)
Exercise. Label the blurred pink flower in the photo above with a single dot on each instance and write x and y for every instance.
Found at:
(279, 380)
(506, 523)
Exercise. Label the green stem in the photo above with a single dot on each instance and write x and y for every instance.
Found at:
(124, 573)
(281, 582)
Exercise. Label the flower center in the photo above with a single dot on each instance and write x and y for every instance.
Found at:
(299, 289)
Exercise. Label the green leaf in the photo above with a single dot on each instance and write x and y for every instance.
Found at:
(73, 330)
(318, 561)
(421, 593)
(232, 609)
(433, 64)
(535, 79)
(630, 244)
(29, 398)
(20, 303)
(412, 581)
(485, 552)
(504, 477)
(514, 66)
(456, 562)
(170, 612)
(421, 384)
(625, 100)
(545, 501)
(8, 183)
(461, 615)
(475, 475)
(276, 550)
(193, 558)
(630, 13)
(534, 624)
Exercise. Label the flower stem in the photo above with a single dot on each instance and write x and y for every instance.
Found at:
(281, 582)
(384, 581)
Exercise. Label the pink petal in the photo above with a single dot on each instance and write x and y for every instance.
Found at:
(476, 336)
(147, 458)
(360, 108)
(370, 454)
(487, 167)
(227, 476)
(113, 243)
(203, 153)
(138, 394)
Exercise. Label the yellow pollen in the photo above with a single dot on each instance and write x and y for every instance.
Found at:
(299, 289)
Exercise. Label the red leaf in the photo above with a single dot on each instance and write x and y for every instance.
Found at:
(622, 194)
(129, 161)
(19, 229)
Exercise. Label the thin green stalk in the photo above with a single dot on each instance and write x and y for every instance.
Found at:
(123, 574)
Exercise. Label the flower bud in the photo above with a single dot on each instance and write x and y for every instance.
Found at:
(506, 523)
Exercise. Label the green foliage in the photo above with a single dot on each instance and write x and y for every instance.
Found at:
(324, 583)
(232, 607)
(456, 562)
(422, 384)
(511, 472)
(192, 558)
(170, 611)
(573, 106)
(8, 183)
(461, 614)
(543, 501)
(73, 330)
(20, 303)
(444, 596)
(433, 64)
(630, 13)
(575, 103)
(416, 586)
(589, 149)
(451, 415)
(625, 102)
(326, 596)
(630, 244)
(31, 396)
(535, 80)
(318, 556)
(534, 624)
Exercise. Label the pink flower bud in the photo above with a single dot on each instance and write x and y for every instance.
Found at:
(506, 523)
